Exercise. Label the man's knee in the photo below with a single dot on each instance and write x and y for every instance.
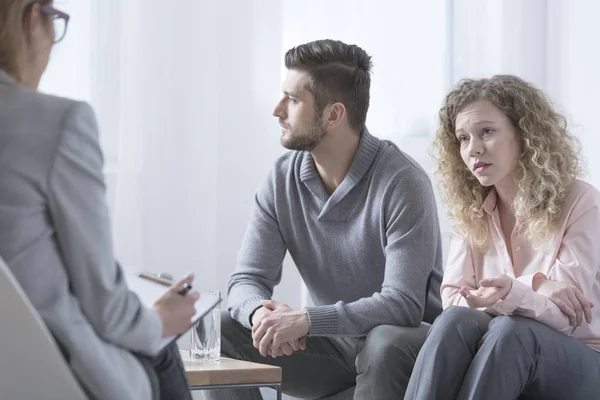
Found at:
(228, 324)
(233, 335)
(388, 345)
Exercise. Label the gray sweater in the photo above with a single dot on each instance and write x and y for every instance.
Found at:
(370, 254)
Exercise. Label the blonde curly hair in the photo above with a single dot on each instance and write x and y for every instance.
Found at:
(548, 163)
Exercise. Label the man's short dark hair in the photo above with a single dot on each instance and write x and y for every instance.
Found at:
(338, 72)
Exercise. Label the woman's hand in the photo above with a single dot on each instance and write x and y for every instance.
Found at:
(569, 299)
(176, 311)
(490, 291)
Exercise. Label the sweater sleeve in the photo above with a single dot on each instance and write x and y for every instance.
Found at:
(260, 259)
(411, 236)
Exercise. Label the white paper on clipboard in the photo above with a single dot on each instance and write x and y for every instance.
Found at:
(148, 292)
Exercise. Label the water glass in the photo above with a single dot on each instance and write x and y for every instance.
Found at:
(205, 336)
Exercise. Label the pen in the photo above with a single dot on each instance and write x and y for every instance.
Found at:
(186, 288)
(165, 282)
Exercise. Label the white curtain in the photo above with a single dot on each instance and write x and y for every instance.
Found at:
(184, 91)
(190, 104)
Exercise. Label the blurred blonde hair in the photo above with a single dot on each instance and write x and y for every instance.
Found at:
(12, 35)
(548, 162)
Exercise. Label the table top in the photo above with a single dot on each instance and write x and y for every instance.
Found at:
(228, 371)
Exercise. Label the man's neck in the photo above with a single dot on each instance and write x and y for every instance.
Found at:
(333, 158)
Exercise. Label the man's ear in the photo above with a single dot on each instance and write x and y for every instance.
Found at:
(334, 114)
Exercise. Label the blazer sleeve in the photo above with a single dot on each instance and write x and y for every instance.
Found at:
(80, 218)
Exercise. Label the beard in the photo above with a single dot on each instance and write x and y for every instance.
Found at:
(305, 139)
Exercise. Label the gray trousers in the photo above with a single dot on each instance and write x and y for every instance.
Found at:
(375, 367)
(469, 354)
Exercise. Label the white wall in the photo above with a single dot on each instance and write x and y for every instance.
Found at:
(575, 65)
(499, 37)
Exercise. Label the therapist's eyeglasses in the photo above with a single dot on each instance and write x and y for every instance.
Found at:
(61, 20)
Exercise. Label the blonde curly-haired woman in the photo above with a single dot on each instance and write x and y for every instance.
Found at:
(523, 267)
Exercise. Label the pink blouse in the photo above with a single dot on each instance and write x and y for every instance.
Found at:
(573, 257)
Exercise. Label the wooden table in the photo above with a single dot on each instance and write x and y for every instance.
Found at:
(228, 373)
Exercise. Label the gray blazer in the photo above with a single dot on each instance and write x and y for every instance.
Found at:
(55, 236)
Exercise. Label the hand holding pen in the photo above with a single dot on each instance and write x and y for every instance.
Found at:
(176, 307)
(163, 280)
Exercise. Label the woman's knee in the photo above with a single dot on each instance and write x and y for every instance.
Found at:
(457, 317)
(512, 328)
(454, 314)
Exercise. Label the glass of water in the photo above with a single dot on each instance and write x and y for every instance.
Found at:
(205, 336)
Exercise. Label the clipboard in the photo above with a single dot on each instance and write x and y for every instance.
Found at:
(149, 290)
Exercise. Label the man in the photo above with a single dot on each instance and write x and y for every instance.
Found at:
(359, 219)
